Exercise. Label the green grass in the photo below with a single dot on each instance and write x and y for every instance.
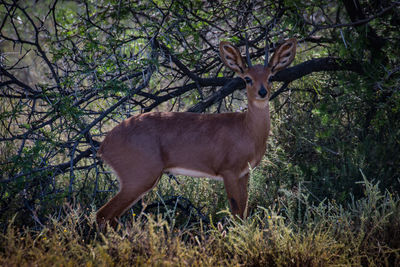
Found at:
(291, 232)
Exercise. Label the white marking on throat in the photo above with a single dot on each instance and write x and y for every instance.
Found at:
(261, 103)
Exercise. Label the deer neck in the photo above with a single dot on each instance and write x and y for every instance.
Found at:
(258, 120)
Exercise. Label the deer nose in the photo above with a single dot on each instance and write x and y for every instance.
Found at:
(262, 92)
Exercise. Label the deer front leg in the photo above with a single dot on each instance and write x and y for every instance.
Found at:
(236, 190)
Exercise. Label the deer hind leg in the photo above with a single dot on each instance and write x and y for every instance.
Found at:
(236, 190)
(135, 181)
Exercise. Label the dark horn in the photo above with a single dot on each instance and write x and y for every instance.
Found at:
(247, 52)
(266, 54)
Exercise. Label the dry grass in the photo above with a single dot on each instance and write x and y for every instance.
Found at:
(366, 232)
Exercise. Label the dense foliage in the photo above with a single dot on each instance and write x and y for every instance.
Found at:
(70, 71)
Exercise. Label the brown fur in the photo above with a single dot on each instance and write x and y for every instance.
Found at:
(144, 146)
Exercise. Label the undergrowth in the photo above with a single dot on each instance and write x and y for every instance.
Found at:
(291, 232)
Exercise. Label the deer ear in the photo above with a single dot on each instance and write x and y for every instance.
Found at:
(283, 56)
(232, 58)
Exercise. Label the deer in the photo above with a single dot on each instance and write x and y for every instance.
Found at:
(221, 146)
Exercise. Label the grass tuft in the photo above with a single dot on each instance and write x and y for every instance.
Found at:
(366, 232)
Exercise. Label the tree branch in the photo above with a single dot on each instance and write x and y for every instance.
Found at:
(288, 75)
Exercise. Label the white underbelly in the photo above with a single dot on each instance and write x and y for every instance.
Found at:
(192, 173)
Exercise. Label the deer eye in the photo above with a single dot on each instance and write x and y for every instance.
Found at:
(248, 80)
(270, 79)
